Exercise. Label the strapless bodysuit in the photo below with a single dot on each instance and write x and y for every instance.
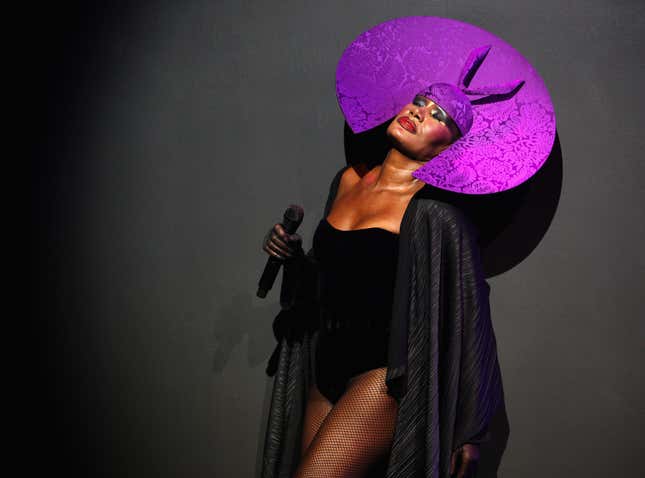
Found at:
(357, 270)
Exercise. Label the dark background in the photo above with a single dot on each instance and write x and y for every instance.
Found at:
(167, 137)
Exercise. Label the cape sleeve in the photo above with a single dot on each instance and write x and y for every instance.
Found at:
(467, 348)
(480, 382)
(442, 357)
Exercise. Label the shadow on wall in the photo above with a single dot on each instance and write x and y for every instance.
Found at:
(243, 314)
(511, 223)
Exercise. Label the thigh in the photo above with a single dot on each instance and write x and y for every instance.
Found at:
(316, 411)
(356, 433)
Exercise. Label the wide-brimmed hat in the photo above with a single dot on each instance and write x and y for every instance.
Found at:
(495, 97)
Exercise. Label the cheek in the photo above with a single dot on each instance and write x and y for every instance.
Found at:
(440, 135)
(433, 139)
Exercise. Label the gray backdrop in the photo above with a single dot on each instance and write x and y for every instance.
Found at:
(172, 135)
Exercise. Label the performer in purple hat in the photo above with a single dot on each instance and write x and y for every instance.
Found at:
(386, 352)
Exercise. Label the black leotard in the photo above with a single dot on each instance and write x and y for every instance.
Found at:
(357, 284)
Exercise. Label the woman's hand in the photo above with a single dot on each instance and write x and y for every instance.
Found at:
(468, 456)
(279, 244)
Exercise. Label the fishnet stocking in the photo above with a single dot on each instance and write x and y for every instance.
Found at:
(318, 406)
(355, 434)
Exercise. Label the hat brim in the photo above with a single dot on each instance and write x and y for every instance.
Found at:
(382, 69)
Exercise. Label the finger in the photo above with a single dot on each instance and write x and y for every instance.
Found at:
(279, 241)
(274, 254)
(271, 246)
(453, 462)
(268, 248)
(463, 469)
(277, 250)
(280, 246)
(293, 242)
(281, 232)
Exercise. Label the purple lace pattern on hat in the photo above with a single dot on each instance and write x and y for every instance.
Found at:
(507, 139)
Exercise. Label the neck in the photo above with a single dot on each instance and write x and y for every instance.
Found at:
(395, 174)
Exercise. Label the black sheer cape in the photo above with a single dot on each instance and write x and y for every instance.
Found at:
(443, 368)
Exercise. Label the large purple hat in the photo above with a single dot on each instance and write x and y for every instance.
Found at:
(493, 94)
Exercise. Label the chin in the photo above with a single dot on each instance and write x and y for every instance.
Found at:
(400, 146)
(389, 132)
(397, 137)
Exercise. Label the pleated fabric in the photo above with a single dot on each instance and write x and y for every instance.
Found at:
(443, 368)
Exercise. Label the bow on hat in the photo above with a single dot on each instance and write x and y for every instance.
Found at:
(452, 98)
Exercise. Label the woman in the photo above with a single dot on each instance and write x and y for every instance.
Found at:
(386, 353)
(345, 437)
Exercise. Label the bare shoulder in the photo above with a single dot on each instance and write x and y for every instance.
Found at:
(354, 174)
(348, 179)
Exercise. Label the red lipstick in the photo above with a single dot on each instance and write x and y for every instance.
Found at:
(407, 124)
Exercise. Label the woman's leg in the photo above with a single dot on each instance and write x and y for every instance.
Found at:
(317, 409)
(356, 433)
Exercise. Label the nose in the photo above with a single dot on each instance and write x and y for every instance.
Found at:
(418, 113)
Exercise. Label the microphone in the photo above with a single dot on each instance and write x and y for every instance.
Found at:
(291, 220)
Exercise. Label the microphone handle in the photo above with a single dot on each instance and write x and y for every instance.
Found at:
(273, 264)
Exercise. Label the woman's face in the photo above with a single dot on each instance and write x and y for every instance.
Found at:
(421, 130)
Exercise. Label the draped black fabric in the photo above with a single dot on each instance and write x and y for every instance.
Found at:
(442, 355)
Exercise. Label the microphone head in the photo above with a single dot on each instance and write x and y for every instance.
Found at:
(294, 213)
(292, 218)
